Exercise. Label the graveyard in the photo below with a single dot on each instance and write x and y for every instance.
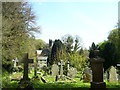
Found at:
(32, 77)
(38, 83)
(29, 62)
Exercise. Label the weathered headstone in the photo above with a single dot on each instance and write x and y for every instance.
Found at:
(113, 75)
(72, 72)
(55, 70)
(25, 60)
(61, 66)
(97, 71)
(88, 70)
(87, 75)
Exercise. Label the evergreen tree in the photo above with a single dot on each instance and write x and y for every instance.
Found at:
(68, 42)
(50, 43)
(77, 45)
(56, 52)
(108, 52)
(114, 38)
(91, 50)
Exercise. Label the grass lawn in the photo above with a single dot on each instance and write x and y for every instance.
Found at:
(80, 84)
(39, 84)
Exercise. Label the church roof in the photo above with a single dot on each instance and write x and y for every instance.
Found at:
(44, 52)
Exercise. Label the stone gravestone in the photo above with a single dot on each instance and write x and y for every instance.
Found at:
(25, 60)
(88, 70)
(113, 75)
(55, 70)
(97, 71)
(87, 75)
(72, 72)
(61, 66)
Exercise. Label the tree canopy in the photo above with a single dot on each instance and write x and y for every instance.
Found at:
(18, 23)
(110, 49)
(69, 49)
(57, 51)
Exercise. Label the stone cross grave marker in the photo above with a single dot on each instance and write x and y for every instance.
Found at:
(113, 75)
(61, 66)
(87, 75)
(68, 67)
(72, 72)
(15, 62)
(25, 60)
(55, 70)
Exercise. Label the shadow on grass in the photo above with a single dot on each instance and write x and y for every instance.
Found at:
(38, 85)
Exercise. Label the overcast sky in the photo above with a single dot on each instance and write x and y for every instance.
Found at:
(92, 21)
